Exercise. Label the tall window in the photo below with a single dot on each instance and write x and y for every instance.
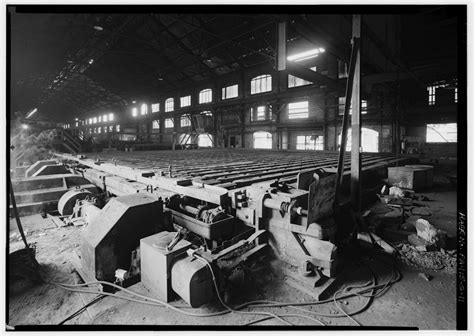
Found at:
(111, 128)
(205, 96)
(100, 118)
(185, 120)
(117, 128)
(90, 121)
(144, 109)
(155, 107)
(294, 81)
(134, 112)
(169, 105)
(185, 101)
(105, 118)
(95, 120)
(262, 140)
(298, 110)
(111, 117)
(456, 90)
(230, 91)
(261, 84)
(155, 124)
(169, 123)
(310, 142)
(442, 132)
(260, 113)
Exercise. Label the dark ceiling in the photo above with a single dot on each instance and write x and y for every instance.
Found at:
(78, 63)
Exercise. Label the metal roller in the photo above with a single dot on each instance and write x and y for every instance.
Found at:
(68, 200)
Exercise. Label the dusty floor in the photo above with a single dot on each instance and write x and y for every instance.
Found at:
(411, 302)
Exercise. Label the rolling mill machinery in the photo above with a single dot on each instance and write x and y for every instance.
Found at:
(158, 230)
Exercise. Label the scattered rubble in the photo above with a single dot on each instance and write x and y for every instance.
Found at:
(433, 260)
(421, 243)
(396, 191)
(429, 233)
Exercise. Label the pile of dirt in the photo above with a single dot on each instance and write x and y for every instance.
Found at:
(444, 261)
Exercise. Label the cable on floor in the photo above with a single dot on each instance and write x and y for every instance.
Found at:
(155, 302)
(83, 308)
(253, 304)
(230, 308)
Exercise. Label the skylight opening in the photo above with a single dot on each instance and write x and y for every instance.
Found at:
(306, 55)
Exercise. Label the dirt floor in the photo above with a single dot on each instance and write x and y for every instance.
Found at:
(411, 302)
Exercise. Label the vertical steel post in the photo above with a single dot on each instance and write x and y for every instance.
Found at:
(345, 118)
(281, 55)
(356, 124)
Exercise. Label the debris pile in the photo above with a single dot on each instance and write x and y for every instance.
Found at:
(400, 217)
(442, 260)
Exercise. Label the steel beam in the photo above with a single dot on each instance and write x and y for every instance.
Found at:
(208, 193)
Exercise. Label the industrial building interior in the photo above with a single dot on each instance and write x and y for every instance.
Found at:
(222, 166)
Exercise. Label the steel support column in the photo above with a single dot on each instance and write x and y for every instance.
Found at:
(356, 124)
(281, 54)
(345, 118)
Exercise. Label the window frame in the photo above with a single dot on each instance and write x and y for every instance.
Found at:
(188, 97)
(169, 105)
(169, 120)
(227, 89)
(155, 107)
(203, 96)
(295, 115)
(186, 118)
(257, 86)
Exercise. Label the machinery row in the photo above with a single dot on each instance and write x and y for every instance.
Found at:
(185, 238)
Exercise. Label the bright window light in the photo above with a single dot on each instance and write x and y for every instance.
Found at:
(306, 55)
(442, 132)
(205, 96)
(134, 112)
(105, 118)
(262, 140)
(155, 107)
(94, 120)
(185, 120)
(169, 123)
(185, 101)
(169, 105)
(298, 110)
(144, 109)
(111, 116)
